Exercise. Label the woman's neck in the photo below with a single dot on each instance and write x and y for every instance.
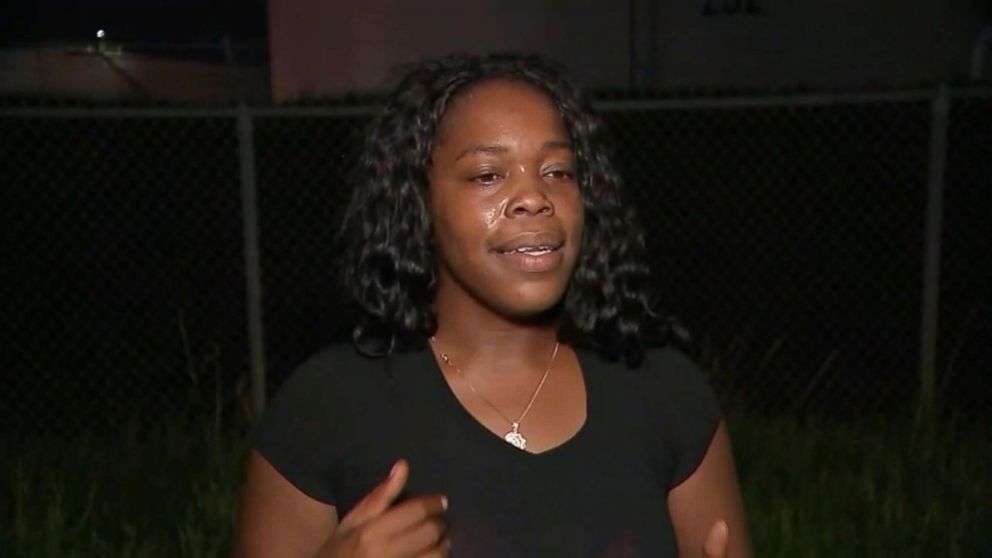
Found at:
(479, 337)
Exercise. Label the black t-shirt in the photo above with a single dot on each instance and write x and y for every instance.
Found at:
(339, 423)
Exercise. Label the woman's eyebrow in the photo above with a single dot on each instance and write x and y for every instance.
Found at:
(498, 148)
(489, 149)
(556, 144)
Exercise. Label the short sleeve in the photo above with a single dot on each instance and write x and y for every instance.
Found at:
(685, 410)
(296, 432)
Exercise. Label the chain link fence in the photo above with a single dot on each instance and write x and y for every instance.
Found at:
(788, 235)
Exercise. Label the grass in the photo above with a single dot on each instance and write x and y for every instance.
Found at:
(875, 487)
(169, 491)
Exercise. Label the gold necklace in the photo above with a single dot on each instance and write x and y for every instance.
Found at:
(513, 437)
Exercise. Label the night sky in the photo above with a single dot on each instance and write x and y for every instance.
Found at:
(141, 21)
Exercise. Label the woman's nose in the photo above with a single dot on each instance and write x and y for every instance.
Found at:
(530, 197)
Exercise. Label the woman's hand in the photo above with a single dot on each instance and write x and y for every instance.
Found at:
(706, 509)
(716, 541)
(375, 528)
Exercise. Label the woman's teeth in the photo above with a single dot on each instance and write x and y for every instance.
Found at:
(531, 250)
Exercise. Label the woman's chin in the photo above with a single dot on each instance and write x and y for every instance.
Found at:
(534, 311)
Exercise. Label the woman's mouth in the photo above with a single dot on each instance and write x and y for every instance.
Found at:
(533, 259)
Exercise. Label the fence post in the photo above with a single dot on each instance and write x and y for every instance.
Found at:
(253, 270)
(249, 219)
(939, 123)
(642, 39)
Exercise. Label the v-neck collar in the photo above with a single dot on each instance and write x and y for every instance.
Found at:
(458, 412)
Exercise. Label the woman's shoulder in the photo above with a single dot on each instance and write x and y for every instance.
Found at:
(670, 373)
(334, 369)
(660, 366)
(683, 405)
(335, 359)
(672, 368)
(308, 418)
(317, 393)
(668, 383)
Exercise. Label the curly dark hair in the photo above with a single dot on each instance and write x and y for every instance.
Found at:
(390, 262)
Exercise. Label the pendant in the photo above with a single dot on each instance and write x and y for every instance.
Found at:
(514, 437)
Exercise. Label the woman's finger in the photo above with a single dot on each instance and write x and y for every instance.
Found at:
(420, 515)
(716, 540)
(379, 499)
(440, 550)
(421, 537)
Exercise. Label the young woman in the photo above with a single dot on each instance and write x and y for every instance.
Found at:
(506, 393)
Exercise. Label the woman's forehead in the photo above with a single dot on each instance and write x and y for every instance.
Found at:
(501, 106)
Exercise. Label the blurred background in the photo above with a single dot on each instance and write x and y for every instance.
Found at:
(815, 180)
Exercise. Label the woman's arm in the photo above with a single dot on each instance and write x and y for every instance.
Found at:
(709, 495)
(277, 519)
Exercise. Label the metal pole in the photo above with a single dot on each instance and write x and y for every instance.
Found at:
(651, 71)
(253, 268)
(249, 219)
(631, 43)
(940, 113)
(642, 26)
(978, 51)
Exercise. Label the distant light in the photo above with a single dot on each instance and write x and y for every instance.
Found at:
(100, 34)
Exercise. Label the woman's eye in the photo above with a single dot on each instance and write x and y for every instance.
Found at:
(486, 178)
(560, 174)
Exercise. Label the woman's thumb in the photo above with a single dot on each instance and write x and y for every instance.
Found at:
(716, 540)
(380, 498)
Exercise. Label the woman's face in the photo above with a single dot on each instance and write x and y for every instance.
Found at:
(505, 199)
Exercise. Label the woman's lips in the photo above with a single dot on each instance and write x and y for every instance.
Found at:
(532, 262)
